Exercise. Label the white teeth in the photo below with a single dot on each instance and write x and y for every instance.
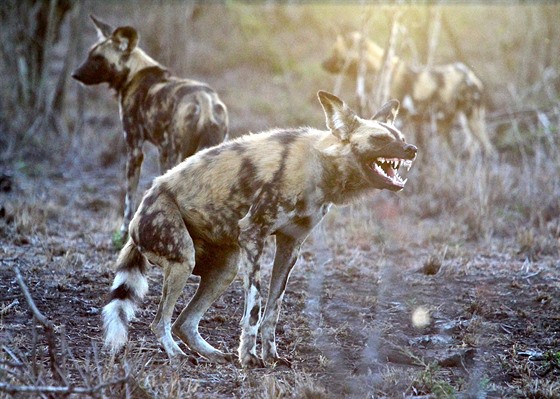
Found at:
(395, 164)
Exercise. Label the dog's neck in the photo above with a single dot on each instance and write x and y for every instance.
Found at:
(138, 61)
(342, 183)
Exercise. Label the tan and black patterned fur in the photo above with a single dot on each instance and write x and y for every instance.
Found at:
(179, 116)
(211, 214)
(446, 92)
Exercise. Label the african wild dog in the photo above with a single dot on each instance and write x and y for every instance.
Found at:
(178, 116)
(444, 91)
(211, 215)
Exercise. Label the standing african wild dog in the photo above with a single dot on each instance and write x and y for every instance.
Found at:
(211, 215)
(178, 116)
(445, 91)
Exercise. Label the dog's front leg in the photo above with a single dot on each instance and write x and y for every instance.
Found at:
(287, 250)
(133, 166)
(252, 235)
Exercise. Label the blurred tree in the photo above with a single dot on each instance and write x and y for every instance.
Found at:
(29, 28)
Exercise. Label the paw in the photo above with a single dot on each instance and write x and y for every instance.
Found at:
(277, 361)
(176, 353)
(251, 361)
(172, 349)
(222, 358)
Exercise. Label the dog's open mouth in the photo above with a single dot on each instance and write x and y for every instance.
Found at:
(388, 170)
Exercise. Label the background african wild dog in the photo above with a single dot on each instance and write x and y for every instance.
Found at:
(211, 215)
(179, 116)
(446, 92)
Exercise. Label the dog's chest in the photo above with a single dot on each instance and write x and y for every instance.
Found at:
(298, 223)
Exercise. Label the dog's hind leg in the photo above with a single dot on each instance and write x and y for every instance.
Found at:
(217, 269)
(174, 280)
(160, 233)
(287, 249)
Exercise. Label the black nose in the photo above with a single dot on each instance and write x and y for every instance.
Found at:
(410, 150)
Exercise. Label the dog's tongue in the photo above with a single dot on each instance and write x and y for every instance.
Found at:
(389, 171)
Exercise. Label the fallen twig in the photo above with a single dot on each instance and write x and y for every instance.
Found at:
(6, 308)
(16, 362)
(47, 326)
(4, 387)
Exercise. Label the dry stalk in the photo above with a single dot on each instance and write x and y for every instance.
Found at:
(47, 326)
(362, 64)
(381, 90)
(435, 28)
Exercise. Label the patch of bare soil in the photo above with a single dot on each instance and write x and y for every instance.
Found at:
(359, 320)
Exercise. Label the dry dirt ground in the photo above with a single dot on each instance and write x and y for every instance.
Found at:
(364, 316)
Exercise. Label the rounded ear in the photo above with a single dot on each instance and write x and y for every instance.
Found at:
(103, 30)
(341, 120)
(126, 37)
(388, 112)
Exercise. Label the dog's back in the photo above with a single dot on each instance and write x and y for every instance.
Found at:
(236, 172)
(180, 116)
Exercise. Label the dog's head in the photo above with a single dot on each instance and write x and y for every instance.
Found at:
(339, 55)
(108, 59)
(377, 148)
(347, 51)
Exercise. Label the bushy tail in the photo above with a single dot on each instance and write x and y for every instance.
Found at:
(128, 289)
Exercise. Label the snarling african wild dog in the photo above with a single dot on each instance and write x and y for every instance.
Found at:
(447, 91)
(178, 116)
(211, 215)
